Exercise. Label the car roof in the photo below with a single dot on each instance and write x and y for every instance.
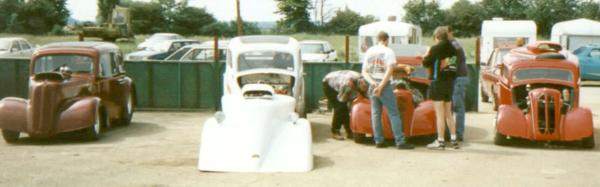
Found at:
(95, 45)
(12, 38)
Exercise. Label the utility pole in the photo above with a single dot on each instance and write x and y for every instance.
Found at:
(239, 18)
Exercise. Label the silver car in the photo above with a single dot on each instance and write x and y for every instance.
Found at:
(15, 47)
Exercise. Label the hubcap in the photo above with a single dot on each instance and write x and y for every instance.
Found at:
(97, 122)
(129, 104)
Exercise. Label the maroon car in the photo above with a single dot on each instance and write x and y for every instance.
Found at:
(73, 86)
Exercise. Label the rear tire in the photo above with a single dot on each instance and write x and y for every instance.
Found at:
(358, 137)
(10, 136)
(128, 110)
(588, 142)
(500, 139)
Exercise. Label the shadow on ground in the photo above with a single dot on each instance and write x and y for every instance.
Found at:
(111, 135)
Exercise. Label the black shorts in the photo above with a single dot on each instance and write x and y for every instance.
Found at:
(441, 90)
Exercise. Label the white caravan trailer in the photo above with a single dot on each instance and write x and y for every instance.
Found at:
(400, 34)
(498, 33)
(576, 33)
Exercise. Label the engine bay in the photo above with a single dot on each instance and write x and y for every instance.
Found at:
(282, 84)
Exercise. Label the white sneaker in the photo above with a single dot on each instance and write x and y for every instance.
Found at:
(437, 144)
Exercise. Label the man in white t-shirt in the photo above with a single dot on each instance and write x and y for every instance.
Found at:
(378, 66)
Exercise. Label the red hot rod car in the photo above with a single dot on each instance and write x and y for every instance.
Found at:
(72, 86)
(538, 97)
(418, 119)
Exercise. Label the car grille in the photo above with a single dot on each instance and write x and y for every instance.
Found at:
(547, 116)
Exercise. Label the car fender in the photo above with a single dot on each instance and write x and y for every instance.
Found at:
(423, 122)
(578, 124)
(13, 114)
(511, 122)
(360, 116)
(79, 115)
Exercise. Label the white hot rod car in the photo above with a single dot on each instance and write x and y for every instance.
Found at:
(259, 128)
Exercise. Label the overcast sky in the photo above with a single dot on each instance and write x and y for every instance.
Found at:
(262, 10)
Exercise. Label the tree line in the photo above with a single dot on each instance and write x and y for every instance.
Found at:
(466, 17)
(50, 16)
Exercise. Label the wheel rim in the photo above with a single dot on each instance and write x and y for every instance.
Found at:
(97, 122)
(129, 105)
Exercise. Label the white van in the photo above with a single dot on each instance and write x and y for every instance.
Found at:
(400, 34)
(498, 33)
(576, 33)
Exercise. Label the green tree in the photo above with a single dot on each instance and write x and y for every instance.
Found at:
(427, 15)
(7, 15)
(347, 22)
(465, 17)
(147, 18)
(295, 16)
(187, 20)
(507, 9)
(548, 12)
(229, 29)
(105, 7)
(590, 9)
(40, 16)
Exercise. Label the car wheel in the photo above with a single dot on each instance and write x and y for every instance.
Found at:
(500, 139)
(588, 142)
(358, 137)
(93, 132)
(10, 136)
(128, 109)
(484, 97)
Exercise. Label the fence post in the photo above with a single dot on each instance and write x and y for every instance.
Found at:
(347, 48)
(477, 52)
(216, 71)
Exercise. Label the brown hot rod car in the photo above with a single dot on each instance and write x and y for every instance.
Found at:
(538, 97)
(73, 86)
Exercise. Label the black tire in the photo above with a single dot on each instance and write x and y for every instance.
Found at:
(484, 97)
(128, 110)
(500, 139)
(10, 136)
(588, 142)
(495, 103)
(358, 137)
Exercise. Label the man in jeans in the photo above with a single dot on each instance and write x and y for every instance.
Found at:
(338, 87)
(460, 86)
(377, 68)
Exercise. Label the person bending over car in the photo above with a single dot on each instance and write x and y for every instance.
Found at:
(377, 69)
(338, 87)
(441, 86)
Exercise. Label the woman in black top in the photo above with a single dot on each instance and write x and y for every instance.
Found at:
(440, 90)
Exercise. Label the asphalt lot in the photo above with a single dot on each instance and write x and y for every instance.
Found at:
(161, 149)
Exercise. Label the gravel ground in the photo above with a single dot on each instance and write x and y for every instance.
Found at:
(161, 149)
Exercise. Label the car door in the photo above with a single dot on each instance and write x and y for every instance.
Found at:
(114, 84)
(488, 74)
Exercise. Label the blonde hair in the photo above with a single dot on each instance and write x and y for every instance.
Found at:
(441, 33)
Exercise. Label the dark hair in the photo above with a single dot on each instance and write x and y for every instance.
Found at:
(382, 37)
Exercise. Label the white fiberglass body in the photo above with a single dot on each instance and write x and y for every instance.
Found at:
(259, 129)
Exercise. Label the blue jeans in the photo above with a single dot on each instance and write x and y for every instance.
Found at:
(387, 99)
(458, 103)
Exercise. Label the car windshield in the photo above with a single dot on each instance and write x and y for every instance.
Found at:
(311, 48)
(266, 59)
(74, 63)
(4, 45)
(543, 73)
